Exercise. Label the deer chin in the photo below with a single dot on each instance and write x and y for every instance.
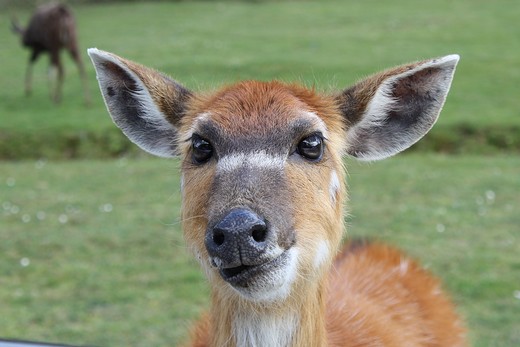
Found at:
(267, 282)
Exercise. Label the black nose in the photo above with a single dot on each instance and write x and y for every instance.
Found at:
(239, 238)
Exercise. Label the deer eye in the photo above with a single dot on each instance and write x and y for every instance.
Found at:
(201, 149)
(311, 147)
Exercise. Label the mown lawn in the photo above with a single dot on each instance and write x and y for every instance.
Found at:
(92, 251)
(328, 44)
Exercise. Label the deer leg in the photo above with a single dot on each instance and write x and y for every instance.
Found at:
(77, 58)
(56, 63)
(28, 79)
(28, 72)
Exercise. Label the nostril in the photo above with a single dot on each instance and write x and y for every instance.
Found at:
(259, 232)
(240, 230)
(218, 237)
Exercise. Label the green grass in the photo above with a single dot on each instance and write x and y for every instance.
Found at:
(107, 265)
(329, 44)
(92, 251)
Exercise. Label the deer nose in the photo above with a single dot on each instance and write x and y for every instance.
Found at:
(240, 238)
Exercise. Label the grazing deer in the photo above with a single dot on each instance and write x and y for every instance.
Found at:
(51, 28)
(263, 193)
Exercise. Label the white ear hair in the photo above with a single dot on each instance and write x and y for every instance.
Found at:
(405, 106)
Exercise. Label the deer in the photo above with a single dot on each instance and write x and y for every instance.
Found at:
(263, 193)
(51, 28)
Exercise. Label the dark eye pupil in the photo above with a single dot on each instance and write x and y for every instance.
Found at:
(202, 150)
(311, 147)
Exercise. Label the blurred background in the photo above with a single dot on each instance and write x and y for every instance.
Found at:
(91, 250)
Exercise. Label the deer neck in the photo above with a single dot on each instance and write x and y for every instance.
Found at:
(297, 321)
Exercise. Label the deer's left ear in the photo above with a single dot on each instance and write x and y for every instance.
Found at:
(145, 104)
(390, 111)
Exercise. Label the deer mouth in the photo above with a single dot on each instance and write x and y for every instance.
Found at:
(247, 275)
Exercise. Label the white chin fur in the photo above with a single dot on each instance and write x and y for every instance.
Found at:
(274, 286)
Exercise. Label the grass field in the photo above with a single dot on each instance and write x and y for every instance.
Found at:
(329, 44)
(91, 250)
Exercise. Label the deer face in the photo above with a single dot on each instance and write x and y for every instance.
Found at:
(262, 177)
(259, 147)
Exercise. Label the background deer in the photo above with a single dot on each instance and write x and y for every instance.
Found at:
(51, 28)
(263, 193)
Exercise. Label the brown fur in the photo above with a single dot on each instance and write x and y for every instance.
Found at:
(387, 300)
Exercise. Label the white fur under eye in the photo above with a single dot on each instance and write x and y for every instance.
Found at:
(322, 253)
(334, 186)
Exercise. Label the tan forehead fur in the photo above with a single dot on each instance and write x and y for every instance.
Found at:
(256, 107)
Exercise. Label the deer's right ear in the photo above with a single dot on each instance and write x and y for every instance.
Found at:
(145, 104)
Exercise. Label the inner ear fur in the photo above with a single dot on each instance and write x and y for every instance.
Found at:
(145, 104)
(390, 111)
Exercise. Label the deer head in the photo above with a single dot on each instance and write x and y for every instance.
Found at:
(262, 175)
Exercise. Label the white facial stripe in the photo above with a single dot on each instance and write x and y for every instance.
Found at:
(320, 124)
(256, 159)
(322, 253)
(334, 186)
(202, 117)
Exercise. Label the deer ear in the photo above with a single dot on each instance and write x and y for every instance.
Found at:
(390, 111)
(145, 104)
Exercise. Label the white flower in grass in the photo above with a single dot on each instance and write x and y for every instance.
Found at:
(63, 218)
(490, 196)
(26, 218)
(40, 164)
(107, 208)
